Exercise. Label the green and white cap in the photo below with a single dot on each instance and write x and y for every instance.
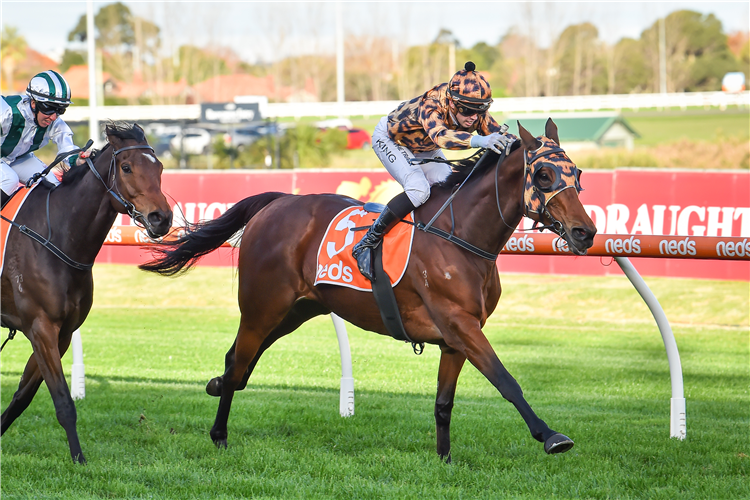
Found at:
(49, 86)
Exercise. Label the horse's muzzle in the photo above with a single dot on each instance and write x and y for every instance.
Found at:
(158, 223)
(580, 239)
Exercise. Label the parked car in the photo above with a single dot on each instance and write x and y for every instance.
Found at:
(162, 146)
(733, 82)
(243, 137)
(192, 141)
(358, 139)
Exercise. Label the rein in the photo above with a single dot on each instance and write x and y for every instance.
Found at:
(112, 190)
(556, 226)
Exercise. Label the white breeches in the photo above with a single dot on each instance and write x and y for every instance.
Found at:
(415, 179)
(21, 170)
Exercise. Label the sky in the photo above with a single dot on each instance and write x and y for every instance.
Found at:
(265, 31)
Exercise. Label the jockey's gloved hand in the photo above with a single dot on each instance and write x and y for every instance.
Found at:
(496, 142)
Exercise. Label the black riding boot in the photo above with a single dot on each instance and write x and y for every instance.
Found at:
(396, 210)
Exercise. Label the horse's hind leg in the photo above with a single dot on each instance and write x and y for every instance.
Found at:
(302, 311)
(258, 321)
(451, 362)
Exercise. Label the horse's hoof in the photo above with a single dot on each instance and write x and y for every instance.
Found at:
(79, 459)
(446, 458)
(558, 443)
(221, 443)
(213, 388)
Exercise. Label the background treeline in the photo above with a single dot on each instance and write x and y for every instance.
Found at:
(577, 62)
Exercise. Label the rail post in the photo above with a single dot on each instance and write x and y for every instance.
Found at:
(346, 393)
(77, 372)
(677, 424)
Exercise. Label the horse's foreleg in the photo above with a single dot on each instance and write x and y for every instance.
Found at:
(44, 340)
(451, 362)
(480, 353)
(30, 382)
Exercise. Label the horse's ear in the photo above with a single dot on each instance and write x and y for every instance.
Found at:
(550, 131)
(530, 143)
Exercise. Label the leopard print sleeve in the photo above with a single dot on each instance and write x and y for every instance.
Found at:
(488, 125)
(432, 117)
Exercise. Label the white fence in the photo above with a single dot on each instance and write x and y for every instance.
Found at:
(299, 110)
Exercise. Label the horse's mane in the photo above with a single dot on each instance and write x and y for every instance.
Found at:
(458, 176)
(119, 129)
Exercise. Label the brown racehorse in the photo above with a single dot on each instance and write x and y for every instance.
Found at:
(445, 296)
(47, 297)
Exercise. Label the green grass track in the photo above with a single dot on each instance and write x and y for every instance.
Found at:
(585, 350)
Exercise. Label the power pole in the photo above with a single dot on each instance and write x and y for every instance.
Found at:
(91, 48)
(339, 54)
(662, 56)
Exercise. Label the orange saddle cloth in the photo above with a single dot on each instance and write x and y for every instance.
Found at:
(336, 266)
(9, 212)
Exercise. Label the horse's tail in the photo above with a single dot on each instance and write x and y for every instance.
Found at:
(177, 256)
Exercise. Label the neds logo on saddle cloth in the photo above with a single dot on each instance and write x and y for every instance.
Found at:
(336, 266)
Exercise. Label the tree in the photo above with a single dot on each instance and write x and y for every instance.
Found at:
(581, 69)
(72, 58)
(125, 39)
(12, 49)
(697, 53)
(196, 64)
(744, 60)
(627, 70)
(483, 55)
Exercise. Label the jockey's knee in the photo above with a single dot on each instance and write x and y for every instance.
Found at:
(418, 196)
(52, 178)
(9, 181)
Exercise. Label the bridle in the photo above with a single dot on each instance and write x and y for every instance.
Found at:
(114, 191)
(537, 195)
(536, 198)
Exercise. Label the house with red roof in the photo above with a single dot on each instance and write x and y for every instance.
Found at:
(224, 88)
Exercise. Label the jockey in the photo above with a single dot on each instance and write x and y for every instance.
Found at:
(443, 117)
(28, 123)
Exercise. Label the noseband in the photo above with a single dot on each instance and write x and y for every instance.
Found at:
(114, 191)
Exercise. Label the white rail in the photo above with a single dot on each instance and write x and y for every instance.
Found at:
(299, 110)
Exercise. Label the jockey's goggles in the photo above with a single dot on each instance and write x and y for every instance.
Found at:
(48, 108)
(470, 106)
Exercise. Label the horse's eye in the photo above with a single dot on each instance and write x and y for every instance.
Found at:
(126, 168)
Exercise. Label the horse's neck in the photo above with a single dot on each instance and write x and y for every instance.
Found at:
(481, 220)
(83, 215)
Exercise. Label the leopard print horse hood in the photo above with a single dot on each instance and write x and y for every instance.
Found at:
(537, 195)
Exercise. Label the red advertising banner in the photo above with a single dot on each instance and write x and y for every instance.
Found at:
(645, 202)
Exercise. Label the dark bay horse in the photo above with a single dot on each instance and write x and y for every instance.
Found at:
(47, 298)
(445, 296)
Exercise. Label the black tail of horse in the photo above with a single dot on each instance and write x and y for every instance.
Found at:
(175, 257)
